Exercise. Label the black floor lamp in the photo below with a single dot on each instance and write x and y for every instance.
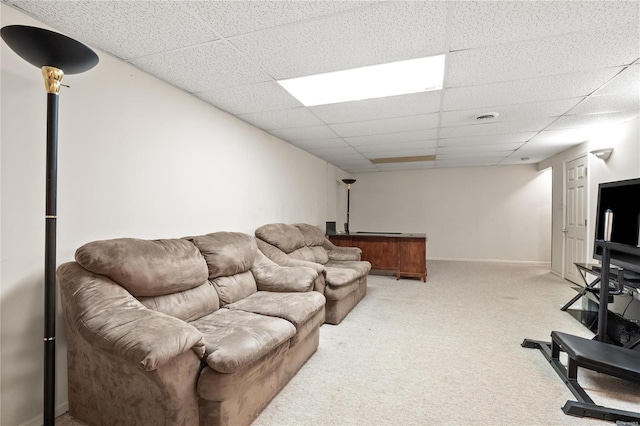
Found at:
(349, 182)
(56, 55)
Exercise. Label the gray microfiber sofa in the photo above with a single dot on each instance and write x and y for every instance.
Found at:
(342, 275)
(202, 330)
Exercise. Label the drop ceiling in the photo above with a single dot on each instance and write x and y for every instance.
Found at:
(556, 72)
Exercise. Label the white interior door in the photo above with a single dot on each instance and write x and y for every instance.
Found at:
(575, 230)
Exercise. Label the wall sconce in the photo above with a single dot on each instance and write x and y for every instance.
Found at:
(603, 154)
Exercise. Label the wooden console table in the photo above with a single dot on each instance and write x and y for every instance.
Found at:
(404, 254)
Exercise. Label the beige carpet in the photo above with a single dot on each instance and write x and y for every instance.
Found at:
(444, 353)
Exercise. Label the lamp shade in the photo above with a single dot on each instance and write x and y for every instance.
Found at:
(349, 181)
(42, 47)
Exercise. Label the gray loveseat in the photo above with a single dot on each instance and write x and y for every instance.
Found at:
(342, 275)
(204, 330)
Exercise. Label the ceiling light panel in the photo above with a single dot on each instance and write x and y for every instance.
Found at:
(370, 82)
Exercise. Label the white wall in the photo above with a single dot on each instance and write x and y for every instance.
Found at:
(137, 158)
(624, 163)
(481, 213)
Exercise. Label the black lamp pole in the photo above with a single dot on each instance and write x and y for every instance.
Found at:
(53, 53)
(349, 182)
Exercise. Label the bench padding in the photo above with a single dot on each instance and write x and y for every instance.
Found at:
(601, 357)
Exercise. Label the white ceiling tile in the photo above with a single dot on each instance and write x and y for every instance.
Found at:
(506, 127)
(477, 155)
(295, 134)
(519, 112)
(556, 55)
(373, 109)
(389, 31)
(390, 147)
(465, 149)
(282, 119)
(487, 140)
(626, 81)
(478, 162)
(250, 98)
(618, 102)
(231, 18)
(538, 89)
(345, 152)
(320, 143)
(581, 121)
(388, 125)
(400, 137)
(203, 67)
(483, 23)
(126, 29)
(559, 137)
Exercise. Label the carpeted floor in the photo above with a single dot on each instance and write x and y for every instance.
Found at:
(444, 353)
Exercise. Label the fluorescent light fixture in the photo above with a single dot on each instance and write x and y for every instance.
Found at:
(376, 81)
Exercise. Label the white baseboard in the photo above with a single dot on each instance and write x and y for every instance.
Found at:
(39, 420)
(524, 262)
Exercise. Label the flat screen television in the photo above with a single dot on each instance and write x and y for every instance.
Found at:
(623, 199)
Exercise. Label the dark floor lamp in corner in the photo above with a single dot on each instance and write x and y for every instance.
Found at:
(349, 182)
(56, 55)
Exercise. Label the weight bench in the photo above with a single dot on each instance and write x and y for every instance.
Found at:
(593, 355)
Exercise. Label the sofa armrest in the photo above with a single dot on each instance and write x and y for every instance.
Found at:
(112, 320)
(281, 258)
(273, 277)
(341, 253)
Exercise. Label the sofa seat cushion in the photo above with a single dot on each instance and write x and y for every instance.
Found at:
(235, 339)
(340, 276)
(361, 266)
(297, 308)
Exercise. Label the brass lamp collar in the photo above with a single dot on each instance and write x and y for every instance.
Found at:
(52, 78)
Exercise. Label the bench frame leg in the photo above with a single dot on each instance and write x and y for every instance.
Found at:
(584, 407)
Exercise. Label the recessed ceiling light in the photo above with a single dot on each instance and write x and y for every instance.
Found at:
(376, 81)
(486, 116)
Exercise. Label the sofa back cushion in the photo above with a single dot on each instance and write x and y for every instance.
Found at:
(146, 267)
(188, 305)
(226, 253)
(287, 238)
(229, 257)
(313, 236)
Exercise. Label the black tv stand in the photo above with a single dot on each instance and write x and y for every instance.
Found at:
(620, 330)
